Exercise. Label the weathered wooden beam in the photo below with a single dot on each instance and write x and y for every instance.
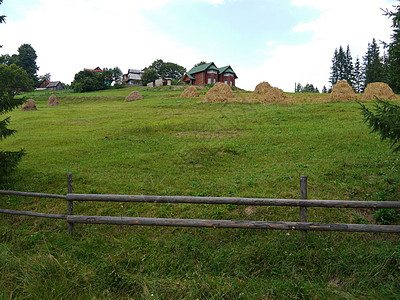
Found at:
(32, 214)
(28, 194)
(235, 201)
(233, 224)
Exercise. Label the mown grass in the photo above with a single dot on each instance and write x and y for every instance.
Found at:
(167, 145)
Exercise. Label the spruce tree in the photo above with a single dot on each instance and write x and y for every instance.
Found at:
(348, 67)
(384, 120)
(13, 79)
(358, 76)
(342, 66)
(373, 64)
(334, 69)
(393, 62)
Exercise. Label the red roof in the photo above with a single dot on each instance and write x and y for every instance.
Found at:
(93, 70)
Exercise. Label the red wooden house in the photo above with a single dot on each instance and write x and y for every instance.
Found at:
(210, 74)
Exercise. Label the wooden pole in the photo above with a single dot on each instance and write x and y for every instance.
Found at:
(70, 204)
(303, 196)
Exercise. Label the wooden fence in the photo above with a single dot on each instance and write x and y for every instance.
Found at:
(303, 203)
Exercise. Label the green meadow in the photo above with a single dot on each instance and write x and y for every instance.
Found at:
(167, 145)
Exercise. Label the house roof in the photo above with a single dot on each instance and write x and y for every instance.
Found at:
(53, 84)
(94, 70)
(201, 68)
(208, 66)
(135, 71)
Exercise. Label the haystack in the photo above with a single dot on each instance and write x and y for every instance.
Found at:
(190, 92)
(29, 105)
(273, 95)
(378, 90)
(221, 92)
(135, 95)
(343, 91)
(262, 88)
(53, 101)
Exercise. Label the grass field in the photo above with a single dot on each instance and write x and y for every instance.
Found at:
(166, 145)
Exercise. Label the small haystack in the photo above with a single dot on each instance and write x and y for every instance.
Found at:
(274, 95)
(342, 91)
(134, 96)
(380, 90)
(53, 101)
(29, 105)
(221, 92)
(190, 92)
(262, 88)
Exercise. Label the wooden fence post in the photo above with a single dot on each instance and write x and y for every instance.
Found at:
(303, 196)
(70, 204)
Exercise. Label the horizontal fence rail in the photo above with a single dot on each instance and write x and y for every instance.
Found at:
(235, 201)
(27, 194)
(234, 224)
(32, 214)
(304, 226)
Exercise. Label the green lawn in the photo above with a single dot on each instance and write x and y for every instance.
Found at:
(166, 145)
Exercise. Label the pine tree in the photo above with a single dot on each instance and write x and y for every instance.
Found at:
(13, 79)
(393, 62)
(348, 67)
(385, 120)
(358, 76)
(373, 65)
(334, 69)
(299, 88)
(342, 66)
(324, 90)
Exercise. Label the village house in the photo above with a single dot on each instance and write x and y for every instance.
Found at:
(50, 85)
(133, 78)
(160, 82)
(209, 74)
(55, 86)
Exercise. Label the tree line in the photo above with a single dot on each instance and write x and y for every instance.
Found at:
(374, 67)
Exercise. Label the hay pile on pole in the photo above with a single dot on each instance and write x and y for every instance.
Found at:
(29, 105)
(274, 95)
(342, 91)
(221, 92)
(53, 101)
(190, 92)
(134, 96)
(378, 90)
(262, 88)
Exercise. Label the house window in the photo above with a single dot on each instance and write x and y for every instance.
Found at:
(226, 82)
(231, 83)
(211, 72)
(228, 74)
(209, 81)
(214, 80)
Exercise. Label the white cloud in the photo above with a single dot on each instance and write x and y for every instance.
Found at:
(213, 2)
(340, 22)
(270, 43)
(69, 35)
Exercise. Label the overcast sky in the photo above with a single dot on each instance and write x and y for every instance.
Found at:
(279, 41)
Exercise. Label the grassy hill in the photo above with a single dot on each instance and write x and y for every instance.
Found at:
(166, 145)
